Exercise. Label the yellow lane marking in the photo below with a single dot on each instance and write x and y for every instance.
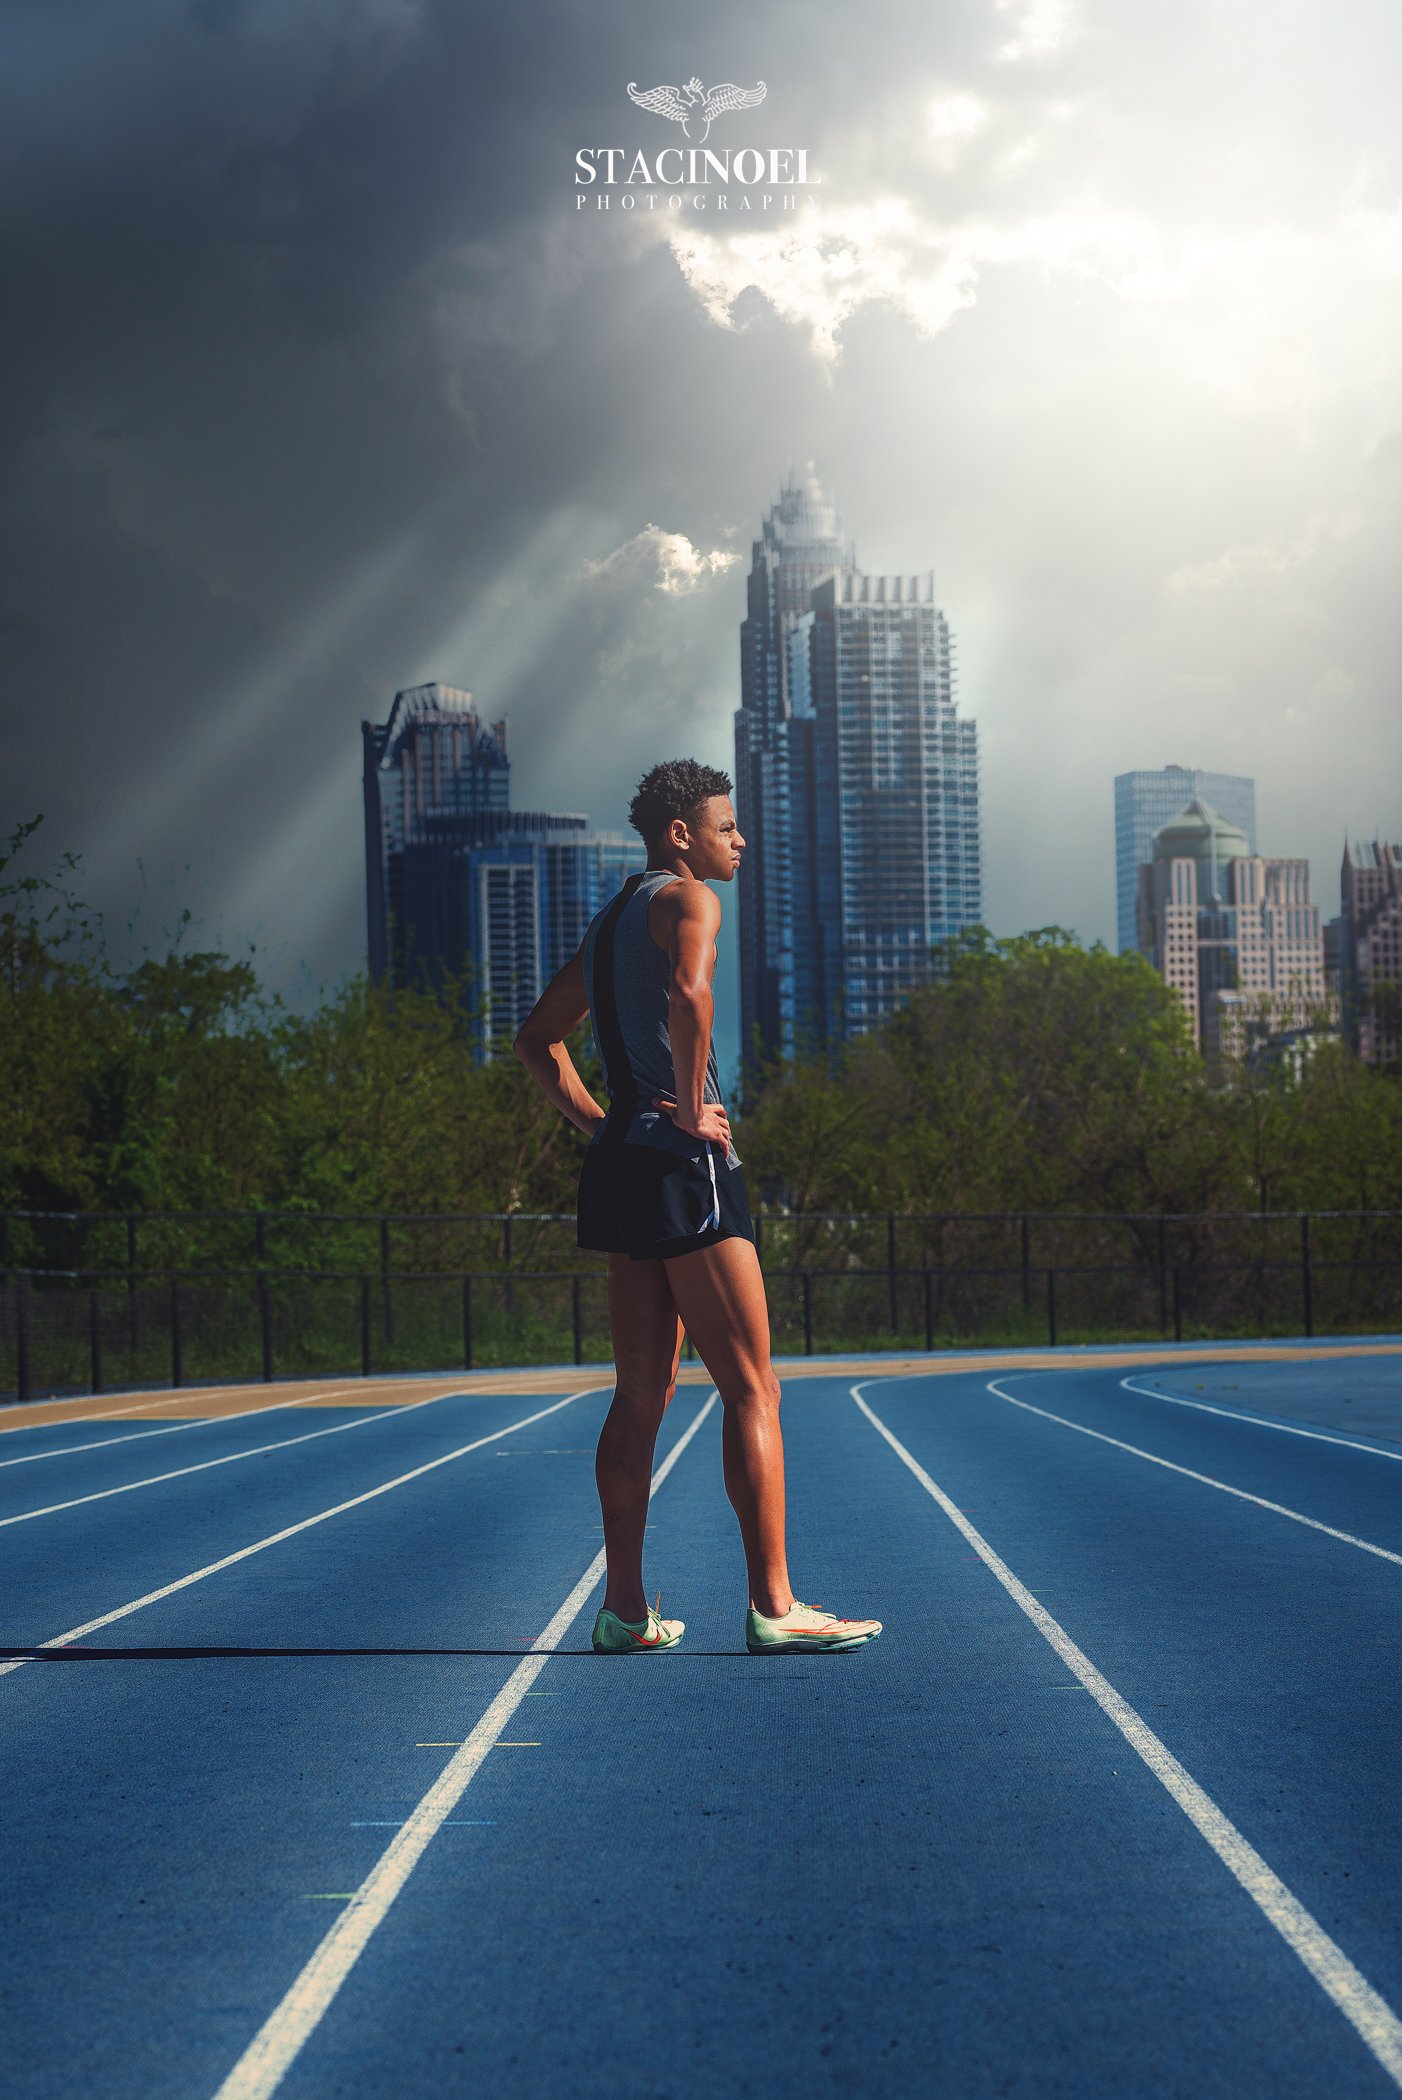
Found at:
(516, 1746)
(438, 1746)
(939, 1363)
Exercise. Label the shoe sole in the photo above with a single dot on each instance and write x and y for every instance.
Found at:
(652, 1648)
(807, 1645)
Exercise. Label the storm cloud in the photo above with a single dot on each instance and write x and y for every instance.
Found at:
(318, 382)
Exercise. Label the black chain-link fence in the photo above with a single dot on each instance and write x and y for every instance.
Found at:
(107, 1328)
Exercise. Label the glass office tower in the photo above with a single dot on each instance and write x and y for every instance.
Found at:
(1145, 802)
(801, 541)
(894, 839)
(856, 786)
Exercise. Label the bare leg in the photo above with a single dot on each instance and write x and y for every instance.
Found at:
(719, 1293)
(647, 1340)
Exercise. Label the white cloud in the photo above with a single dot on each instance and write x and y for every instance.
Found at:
(952, 118)
(666, 560)
(1042, 27)
(1263, 564)
(817, 275)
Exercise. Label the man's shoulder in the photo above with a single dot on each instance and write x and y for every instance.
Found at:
(685, 900)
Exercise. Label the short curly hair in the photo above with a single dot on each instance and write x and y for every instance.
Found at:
(673, 789)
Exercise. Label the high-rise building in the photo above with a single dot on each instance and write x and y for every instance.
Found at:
(892, 847)
(801, 541)
(1234, 934)
(457, 882)
(1370, 950)
(856, 784)
(1145, 802)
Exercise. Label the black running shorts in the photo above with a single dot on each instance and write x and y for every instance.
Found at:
(649, 1203)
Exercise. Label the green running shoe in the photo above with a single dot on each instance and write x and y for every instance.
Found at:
(615, 1636)
(806, 1630)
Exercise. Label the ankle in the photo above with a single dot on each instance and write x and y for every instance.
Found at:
(772, 1604)
(632, 1610)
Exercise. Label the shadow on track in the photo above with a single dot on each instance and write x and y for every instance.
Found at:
(69, 1655)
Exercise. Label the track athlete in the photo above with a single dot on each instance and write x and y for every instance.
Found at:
(662, 1194)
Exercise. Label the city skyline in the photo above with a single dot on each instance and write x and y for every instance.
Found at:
(378, 407)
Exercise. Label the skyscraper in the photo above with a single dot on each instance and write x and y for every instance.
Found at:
(1234, 934)
(892, 848)
(801, 541)
(856, 782)
(1145, 802)
(1370, 949)
(456, 880)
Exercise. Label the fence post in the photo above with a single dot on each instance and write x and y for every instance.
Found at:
(467, 1323)
(133, 1301)
(808, 1312)
(1026, 1263)
(1163, 1271)
(260, 1238)
(265, 1328)
(1177, 1306)
(384, 1280)
(365, 1326)
(577, 1311)
(759, 1237)
(177, 1351)
(929, 1313)
(1051, 1307)
(891, 1270)
(22, 1378)
(1306, 1273)
(95, 1339)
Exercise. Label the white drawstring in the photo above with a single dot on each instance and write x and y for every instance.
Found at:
(714, 1218)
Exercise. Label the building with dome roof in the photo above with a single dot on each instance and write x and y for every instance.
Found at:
(1235, 934)
(1144, 802)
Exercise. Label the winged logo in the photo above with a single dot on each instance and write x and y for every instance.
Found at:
(694, 107)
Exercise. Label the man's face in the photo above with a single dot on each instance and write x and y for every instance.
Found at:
(714, 840)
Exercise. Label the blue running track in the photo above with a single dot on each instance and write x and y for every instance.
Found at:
(1112, 1809)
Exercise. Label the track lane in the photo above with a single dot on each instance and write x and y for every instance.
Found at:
(214, 1791)
(1367, 2012)
(1263, 1652)
(912, 1868)
(927, 1837)
(290, 1492)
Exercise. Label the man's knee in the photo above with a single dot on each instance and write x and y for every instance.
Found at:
(757, 1392)
(642, 1395)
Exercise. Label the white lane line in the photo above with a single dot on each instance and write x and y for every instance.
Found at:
(229, 1458)
(275, 1538)
(1369, 2014)
(182, 1397)
(1261, 1501)
(269, 2056)
(1232, 1414)
(135, 1436)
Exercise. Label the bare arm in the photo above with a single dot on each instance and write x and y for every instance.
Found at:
(691, 921)
(540, 1045)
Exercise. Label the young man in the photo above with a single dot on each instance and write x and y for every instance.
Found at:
(662, 1194)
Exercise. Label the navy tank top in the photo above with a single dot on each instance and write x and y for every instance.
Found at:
(627, 977)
